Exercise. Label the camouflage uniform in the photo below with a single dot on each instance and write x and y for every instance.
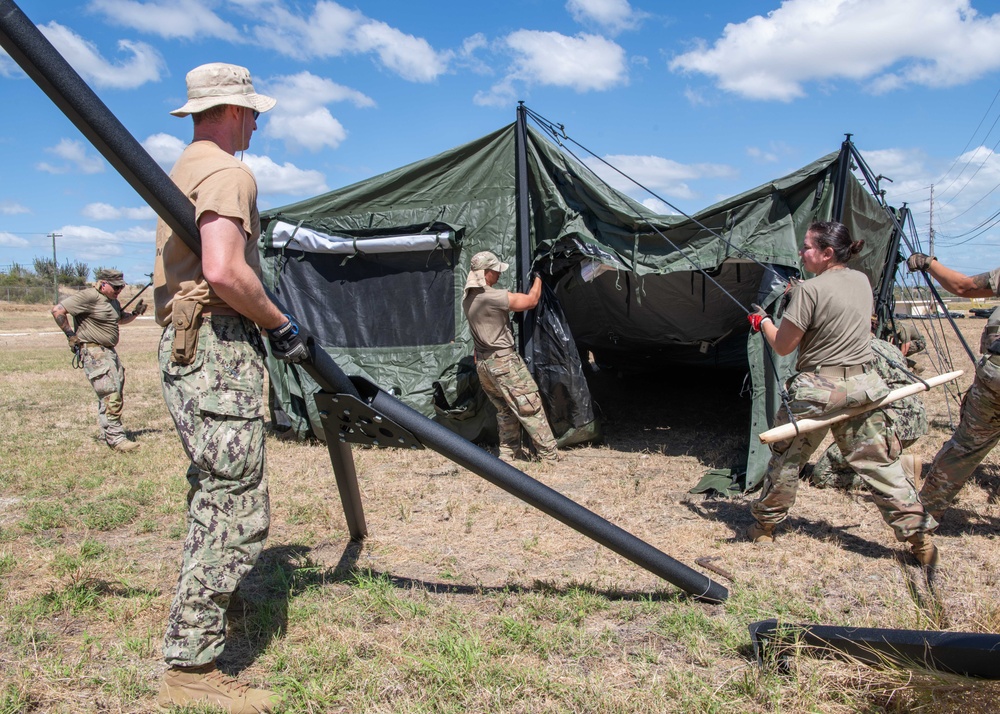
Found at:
(514, 393)
(107, 376)
(978, 430)
(865, 440)
(907, 419)
(216, 403)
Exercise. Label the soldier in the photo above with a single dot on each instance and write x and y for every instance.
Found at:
(502, 372)
(212, 371)
(828, 321)
(97, 314)
(979, 426)
(907, 418)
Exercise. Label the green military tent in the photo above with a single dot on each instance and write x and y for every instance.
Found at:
(376, 271)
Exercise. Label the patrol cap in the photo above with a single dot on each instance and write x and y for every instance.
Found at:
(111, 277)
(485, 260)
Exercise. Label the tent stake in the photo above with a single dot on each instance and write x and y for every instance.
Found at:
(802, 426)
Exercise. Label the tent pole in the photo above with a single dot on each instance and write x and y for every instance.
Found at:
(840, 181)
(522, 206)
(40, 60)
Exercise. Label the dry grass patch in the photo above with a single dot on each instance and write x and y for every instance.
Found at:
(463, 599)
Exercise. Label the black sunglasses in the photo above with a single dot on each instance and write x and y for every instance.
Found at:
(256, 115)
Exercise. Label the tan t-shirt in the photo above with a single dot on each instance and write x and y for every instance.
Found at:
(96, 316)
(487, 310)
(214, 181)
(834, 311)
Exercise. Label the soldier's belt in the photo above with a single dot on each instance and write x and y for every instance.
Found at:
(219, 311)
(841, 372)
(498, 353)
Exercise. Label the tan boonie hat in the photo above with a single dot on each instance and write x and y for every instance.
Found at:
(111, 277)
(487, 261)
(219, 83)
(482, 262)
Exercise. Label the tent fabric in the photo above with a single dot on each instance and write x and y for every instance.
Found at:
(631, 287)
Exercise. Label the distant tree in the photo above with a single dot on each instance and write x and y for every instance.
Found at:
(44, 268)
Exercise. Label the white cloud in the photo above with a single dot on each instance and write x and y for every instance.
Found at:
(172, 19)
(612, 15)
(9, 240)
(663, 176)
(93, 244)
(770, 154)
(164, 148)
(333, 30)
(144, 64)
(412, 58)
(583, 63)
(107, 212)
(75, 157)
(286, 178)
(272, 178)
(312, 130)
(10, 208)
(885, 44)
(8, 67)
(300, 118)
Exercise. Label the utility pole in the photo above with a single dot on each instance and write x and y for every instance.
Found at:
(55, 268)
(931, 229)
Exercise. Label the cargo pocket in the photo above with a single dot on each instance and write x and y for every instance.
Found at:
(100, 376)
(809, 400)
(526, 400)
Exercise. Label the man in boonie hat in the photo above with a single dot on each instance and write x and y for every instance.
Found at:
(212, 372)
(97, 314)
(502, 373)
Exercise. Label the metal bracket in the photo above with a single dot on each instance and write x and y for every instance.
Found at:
(355, 422)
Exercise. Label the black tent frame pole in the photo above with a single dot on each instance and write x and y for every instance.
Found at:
(522, 207)
(885, 303)
(840, 180)
(40, 60)
(866, 172)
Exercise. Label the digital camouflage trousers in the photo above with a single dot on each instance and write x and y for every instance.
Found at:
(510, 387)
(865, 441)
(977, 433)
(216, 403)
(107, 376)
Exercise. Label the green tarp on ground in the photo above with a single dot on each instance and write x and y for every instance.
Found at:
(376, 271)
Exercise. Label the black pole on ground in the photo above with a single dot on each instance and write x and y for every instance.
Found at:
(40, 60)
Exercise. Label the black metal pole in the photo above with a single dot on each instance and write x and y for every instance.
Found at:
(71, 94)
(522, 207)
(840, 180)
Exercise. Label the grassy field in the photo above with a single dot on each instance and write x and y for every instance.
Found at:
(462, 599)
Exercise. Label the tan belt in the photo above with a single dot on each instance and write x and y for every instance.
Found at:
(95, 344)
(498, 353)
(841, 372)
(220, 311)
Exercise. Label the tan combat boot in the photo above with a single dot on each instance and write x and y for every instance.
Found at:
(761, 532)
(912, 465)
(186, 686)
(923, 549)
(124, 446)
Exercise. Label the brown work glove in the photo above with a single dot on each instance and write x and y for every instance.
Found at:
(139, 309)
(919, 261)
(74, 343)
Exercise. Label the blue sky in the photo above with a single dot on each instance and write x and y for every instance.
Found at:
(698, 101)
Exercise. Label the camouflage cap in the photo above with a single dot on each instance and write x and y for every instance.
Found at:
(485, 260)
(111, 277)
